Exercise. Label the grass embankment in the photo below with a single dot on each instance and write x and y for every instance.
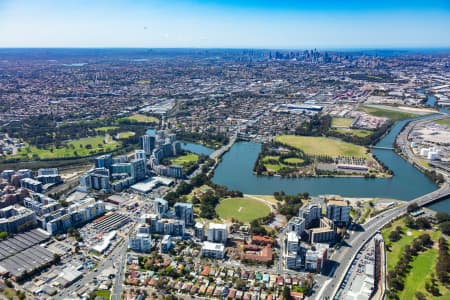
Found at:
(422, 265)
(394, 114)
(242, 209)
(74, 148)
(323, 146)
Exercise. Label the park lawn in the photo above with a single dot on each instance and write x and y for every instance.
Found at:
(322, 146)
(242, 209)
(394, 114)
(355, 132)
(140, 118)
(444, 122)
(125, 134)
(421, 268)
(274, 167)
(270, 157)
(398, 247)
(104, 129)
(421, 265)
(341, 122)
(78, 145)
(294, 160)
(106, 294)
(184, 159)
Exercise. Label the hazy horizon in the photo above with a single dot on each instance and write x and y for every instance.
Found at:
(220, 24)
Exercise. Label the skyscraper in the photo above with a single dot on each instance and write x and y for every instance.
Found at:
(147, 143)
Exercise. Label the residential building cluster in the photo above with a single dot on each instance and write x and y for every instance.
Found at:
(163, 221)
(309, 235)
(45, 178)
(158, 146)
(115, 174)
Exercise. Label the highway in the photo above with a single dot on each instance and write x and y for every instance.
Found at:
(119, 264)
(402, 142)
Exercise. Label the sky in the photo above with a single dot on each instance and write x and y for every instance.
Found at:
(280, 24)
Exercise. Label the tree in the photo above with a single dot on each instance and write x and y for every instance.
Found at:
(445, 227)
(442, 217)
(286, 293)
(409, 221)
(56, 258)
(420, 296)
(423, 223)
(394, 236)
(3, 235)
(412, 207)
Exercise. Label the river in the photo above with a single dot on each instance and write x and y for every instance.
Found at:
(236, 172)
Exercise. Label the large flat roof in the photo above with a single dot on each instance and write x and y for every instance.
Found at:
(149, 184)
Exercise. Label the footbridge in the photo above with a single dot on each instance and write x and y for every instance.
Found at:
(381, 148)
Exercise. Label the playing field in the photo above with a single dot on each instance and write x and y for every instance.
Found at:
(341, 122)
(322, 146)
(394, 114)
(184, 159)
(242, 209)
(125, 134)
(142, 118)
(75, 148)
(294, 160)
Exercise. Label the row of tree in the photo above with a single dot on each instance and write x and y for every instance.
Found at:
(396, 276)
(208, 138)
(443, 264)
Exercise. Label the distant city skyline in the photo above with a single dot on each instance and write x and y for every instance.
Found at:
(287, 24)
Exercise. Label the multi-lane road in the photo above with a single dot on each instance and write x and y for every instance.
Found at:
(346, 254)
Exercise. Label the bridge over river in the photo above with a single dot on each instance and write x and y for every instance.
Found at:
(358, 239)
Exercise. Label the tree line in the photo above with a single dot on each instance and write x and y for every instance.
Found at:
(396, 277)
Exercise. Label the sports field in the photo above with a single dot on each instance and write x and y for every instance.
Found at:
(75, 148)
(322, 146)
(184, 159)
(294, 160)
(242, 209)
(394, 114)
(140, 118)
(125, 134)
(341, 122)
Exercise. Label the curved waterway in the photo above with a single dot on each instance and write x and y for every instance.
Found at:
(236, 172)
